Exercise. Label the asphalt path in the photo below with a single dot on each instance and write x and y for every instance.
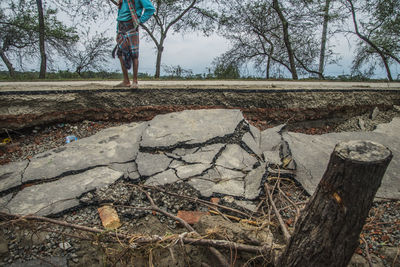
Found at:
(198, 84)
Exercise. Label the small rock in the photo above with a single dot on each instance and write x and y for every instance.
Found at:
(397, 108)
(361, 124)
(374, 113)
(228, 199)
(65, 245)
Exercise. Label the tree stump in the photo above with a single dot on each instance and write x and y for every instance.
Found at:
(328, 230)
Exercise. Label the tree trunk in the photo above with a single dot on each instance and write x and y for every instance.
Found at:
(9, 65)
(160, 49)
(328, 230)
(387, 68)
(324, 39)
(268, 66)
(285, 26)
(43, 59)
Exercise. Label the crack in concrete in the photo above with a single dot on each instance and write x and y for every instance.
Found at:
(232, 138)
(246, 148)
(233, 169)
(23, 171)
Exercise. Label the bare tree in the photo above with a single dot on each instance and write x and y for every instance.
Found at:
(43, 60)
(93, 52)
(21, 37)
(324, 39)
(271, 34)
(177, 16)
(378, 32)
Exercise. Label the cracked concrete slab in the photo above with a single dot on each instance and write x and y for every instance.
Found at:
(312, 153)
(10, 174)
(4, 201)
(113, 145)
(256, 133)
(152, 163)
(231, 187)
(129, 169)
(251, 143)
(166, 177)
(57, 196)
(190, 127)
(271, 138)
(273, 158)
(192, 170)
(235, 157)
(253, 182)
(392, 128)
(209, 149)
(204, 186)
(204, 154)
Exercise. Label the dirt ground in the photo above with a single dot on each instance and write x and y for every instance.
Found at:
(22, 240)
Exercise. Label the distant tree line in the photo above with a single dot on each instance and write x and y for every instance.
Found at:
(276, 36)
(294, 34)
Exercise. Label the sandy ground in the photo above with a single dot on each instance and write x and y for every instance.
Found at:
(199, 84)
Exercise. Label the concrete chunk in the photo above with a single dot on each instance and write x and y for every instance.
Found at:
(271, 138)
(150, 164)
(312, 152)
(191, 170)
(10, 174)
(272, 158)
(234, 157)
(190, 127)
(204, 155)
(166, 177)
(113, 145)
(253, 182)
(54, 197)
(251, 143)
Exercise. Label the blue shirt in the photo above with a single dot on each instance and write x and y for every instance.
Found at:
(124, 14)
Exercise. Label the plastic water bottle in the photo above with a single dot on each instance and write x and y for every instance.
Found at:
(70, 138)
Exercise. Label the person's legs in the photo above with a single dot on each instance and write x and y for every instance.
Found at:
(126, 81)
(135, 68)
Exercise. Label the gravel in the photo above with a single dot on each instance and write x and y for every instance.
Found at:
(27, 241)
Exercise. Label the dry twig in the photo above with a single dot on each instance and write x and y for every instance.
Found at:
(291, 203)
(196, 200)
(281, 222)
(143, 240)
(213, 250)
(367, 252)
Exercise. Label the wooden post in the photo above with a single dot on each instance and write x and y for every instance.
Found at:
(328, 230)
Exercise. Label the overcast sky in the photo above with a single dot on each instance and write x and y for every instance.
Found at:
(196, 52)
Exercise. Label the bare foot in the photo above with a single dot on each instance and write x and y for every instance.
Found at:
(122, 84)
(134, 85)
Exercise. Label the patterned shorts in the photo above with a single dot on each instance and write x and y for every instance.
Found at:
(128, 42)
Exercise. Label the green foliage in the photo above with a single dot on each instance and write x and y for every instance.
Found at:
(19, 33)
(379, 31)
(177, 72)
(229, 71)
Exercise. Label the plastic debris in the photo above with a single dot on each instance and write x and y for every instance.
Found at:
(70, 138)
(6, 140)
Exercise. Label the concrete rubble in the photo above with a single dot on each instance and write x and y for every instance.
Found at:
(215, 151)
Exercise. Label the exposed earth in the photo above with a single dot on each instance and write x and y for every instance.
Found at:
(189, 155)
